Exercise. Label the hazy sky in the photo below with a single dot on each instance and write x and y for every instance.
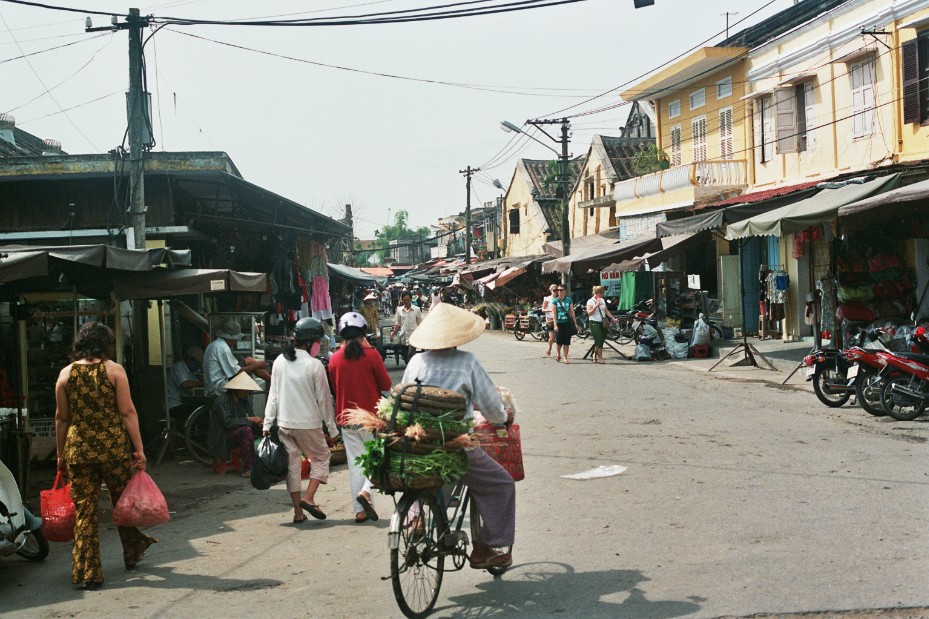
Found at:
(326, 136)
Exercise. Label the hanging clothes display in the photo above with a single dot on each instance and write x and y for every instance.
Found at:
(318, 274)
(773, 300)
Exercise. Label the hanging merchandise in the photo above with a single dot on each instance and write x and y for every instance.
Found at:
(318, 272)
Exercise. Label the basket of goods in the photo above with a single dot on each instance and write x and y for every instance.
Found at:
(420, 434)
(336, 450)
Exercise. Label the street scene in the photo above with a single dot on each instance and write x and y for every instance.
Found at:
(739, 498)
(578, 308)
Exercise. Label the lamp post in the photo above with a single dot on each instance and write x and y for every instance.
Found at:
(498, 215)
(563, 176)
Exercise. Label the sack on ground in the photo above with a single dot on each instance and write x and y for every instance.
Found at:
(643, 352)
(273, 455)
(58, 512)
(701, 333)
(141, 504)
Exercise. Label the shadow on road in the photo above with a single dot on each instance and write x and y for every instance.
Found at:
(545, 589)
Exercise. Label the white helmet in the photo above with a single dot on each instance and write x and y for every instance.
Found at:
(352, 319)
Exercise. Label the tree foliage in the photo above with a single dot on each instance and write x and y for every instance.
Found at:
(399, 230)
(648, 160)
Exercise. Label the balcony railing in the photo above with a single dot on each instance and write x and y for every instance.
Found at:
(602, 201)
(700, 174)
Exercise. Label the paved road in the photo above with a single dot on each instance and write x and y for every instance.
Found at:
(741, 498)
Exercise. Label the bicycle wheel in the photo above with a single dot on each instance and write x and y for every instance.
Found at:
(622, 332)
(475, 517)
(416, 561)
(520, 334)
(196, 431)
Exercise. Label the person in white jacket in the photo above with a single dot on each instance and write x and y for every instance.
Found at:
(300, 402)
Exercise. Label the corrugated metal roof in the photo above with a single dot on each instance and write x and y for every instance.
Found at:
(26, 145)
(761, 195)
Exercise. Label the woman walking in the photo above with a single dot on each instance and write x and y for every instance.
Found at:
(547, 312)
(597, 313)
(562, 308)
(300, 402)
(98, 440)
(358, 376)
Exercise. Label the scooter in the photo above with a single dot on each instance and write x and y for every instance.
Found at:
(867, 373)
(905, 397)
(20, 531)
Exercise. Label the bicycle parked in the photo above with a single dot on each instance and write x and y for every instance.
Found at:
(534, 323)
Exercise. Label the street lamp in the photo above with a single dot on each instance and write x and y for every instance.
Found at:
(563, 176)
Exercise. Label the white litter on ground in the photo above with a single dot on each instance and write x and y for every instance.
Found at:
(601, 471)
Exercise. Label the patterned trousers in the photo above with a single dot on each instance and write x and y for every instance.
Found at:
(244, 439)
(85, 490)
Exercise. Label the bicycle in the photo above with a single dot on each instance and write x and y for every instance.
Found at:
(193, 429)
(425, 530)
(623, 329)
(532, 323)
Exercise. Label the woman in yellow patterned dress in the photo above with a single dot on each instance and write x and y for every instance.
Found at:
(97, 431)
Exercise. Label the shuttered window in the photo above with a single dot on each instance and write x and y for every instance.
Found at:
(698, 127)
(808, 116)
(862, 83)
(763, 125)
(514, 220)
(676, 145)
(791, 106)
(725, 133)
(915, 60)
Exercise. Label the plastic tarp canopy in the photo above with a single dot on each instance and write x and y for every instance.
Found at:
(354, 275)
(581, 243)
(818, 209)
(899, 203)
(714, 220)
(601, 255)
(25, 261)
(164, 283)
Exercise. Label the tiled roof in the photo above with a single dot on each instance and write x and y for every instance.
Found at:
(547, 198)
(622, 151)
(27, 145)
(778, 24)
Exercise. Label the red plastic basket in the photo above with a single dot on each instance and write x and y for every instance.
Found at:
(504, 446)
(58, 512)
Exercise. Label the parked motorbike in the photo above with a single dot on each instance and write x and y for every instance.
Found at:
(904, 397)
(20, 531)
(533, 323)
(625, 328)
(866, 372)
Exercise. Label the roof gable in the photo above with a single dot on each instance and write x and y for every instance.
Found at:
(784, 21)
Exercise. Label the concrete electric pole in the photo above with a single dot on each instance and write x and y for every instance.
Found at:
(468, 173)
(139, 129)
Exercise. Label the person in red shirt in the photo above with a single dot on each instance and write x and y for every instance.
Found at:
(358, 376)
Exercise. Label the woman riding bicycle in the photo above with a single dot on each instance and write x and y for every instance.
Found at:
(443, 365)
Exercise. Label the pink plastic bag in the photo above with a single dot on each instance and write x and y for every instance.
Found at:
(141, 504)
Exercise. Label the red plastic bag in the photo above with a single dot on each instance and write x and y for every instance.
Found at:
(305, 468)
(141, 504)
(504, 446)
(58, 512)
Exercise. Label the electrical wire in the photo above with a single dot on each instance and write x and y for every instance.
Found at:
(24, 55)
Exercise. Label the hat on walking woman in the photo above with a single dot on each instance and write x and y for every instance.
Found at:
(447, 326)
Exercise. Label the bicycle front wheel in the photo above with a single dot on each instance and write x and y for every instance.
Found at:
(417, 562)
(196, 434)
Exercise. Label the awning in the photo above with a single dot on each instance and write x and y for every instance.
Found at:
(905, 202)
(581, 243)
(599, 256)
(714, 220)
(164, 283)
(24, 261)
(669, 247)
(821, 208)
(506, 276)
(354, 275)
(377, 271)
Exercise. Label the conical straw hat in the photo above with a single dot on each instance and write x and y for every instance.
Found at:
(243, 382)
(447, 326)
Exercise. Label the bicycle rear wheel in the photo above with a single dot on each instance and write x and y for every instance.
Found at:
(475, 517)
(417, 563)
(196, 433)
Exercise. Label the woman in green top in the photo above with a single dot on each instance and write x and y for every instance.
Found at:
(562, 309)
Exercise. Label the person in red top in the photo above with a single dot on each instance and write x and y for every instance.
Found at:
(358, 376)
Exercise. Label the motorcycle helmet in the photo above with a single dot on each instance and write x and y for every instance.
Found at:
(352, 319)
(308, 329)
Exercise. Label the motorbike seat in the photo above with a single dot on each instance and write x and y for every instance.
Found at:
(914, 356)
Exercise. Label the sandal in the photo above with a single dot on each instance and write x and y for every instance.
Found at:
(314, 510)
(500, 559)
(366, 505)
(566, 361)
(558, 359)
(361, 517)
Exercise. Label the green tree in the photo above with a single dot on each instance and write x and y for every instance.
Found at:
(399, 230)
(650, 159)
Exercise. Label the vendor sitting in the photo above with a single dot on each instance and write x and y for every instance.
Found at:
(182, 378)
(232, 419)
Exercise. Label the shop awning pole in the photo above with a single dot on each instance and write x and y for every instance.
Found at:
(164, 376)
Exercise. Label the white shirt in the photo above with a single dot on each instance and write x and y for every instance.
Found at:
(600, 312)
(299, 397)
(408, 319)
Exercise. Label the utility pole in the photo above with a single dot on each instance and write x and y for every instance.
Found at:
(468, 172)
(727, 14)
(138, 123)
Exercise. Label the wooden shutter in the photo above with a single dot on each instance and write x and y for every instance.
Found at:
(725, 133)
(911, 104)
(788, 138)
